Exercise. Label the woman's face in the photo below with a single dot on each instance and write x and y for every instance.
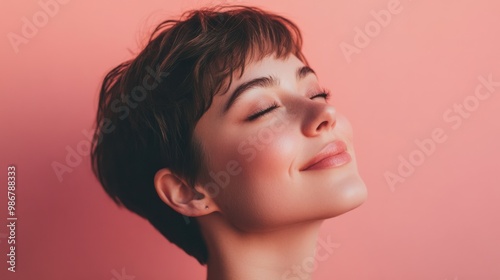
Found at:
(258, 144)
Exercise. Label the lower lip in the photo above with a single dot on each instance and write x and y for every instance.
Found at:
(333, 161)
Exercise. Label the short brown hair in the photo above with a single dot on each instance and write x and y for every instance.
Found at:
(172, 82)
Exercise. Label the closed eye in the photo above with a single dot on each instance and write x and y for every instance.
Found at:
(324, 94)
(262, 112)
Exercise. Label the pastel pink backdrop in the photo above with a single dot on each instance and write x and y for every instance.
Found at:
(442, 222)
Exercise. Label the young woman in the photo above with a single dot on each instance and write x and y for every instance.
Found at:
(221, 135)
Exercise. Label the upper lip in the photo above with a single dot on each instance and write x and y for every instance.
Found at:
(330, 149)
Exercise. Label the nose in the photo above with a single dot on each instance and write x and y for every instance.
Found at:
(319, 118)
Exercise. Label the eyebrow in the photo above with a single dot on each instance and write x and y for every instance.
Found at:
(263, 82)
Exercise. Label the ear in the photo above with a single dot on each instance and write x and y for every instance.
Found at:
(191, 201)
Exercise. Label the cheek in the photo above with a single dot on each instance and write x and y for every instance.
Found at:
(269, 152)
(255, 198)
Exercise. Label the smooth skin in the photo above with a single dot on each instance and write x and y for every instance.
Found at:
(264, 214)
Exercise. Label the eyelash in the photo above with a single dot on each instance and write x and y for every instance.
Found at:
(325, 93)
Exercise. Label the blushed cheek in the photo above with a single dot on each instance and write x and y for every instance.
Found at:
(257, 197)
(270, 153)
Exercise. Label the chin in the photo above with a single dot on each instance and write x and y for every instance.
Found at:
(351, 196)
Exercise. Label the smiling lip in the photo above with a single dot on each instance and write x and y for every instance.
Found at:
(332, 155)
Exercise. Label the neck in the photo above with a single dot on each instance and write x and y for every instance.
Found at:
(285, 253)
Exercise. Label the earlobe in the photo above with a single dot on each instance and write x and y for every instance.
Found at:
(180, 196)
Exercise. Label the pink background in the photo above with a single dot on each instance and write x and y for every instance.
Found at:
(442, 222)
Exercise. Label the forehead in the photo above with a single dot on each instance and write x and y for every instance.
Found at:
(269, 65)
(264, 73)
